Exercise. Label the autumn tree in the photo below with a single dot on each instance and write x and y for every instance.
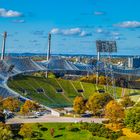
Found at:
(36, 106)
(127, 102)
(26, 130)
(28, 107)
(114, 112)
(24, 110)
(11, 104)
(94, 103)
(106, 98)
(1, 104)
(52, 132)
(90, 79)
(79, 105)
(29, 104)
(5, 133)
(102, 80)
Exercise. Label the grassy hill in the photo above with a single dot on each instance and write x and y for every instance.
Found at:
(51, 95)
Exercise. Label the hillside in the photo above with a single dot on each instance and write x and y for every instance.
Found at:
(55, 92)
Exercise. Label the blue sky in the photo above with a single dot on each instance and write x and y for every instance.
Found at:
(75, 25)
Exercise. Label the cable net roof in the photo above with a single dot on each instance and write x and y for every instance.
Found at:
(23, 64)
(57, 63)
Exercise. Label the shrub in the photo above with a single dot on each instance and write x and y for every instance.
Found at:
(101, 131)
(132, 120)
(105, 121)
(36, 134)
(72, 128)
(39, 125)
(43, 129)
(84, 125)
(61, 128)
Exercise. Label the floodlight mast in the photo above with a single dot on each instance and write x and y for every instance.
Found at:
(3, 46)
(49, 47)
(106, 48)
(49, 51)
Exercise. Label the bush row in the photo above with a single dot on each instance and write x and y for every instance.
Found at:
(101, 131)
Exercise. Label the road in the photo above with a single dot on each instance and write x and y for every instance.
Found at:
(52, 119)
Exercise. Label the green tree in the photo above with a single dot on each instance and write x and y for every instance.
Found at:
(114, 112)
(132, 119)
(79, 105)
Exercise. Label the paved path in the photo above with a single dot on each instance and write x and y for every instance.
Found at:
(52, 119)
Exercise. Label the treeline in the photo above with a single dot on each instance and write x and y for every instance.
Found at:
(103, 80)
(14, 106)
(124, 113)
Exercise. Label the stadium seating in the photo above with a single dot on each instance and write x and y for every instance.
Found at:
(5, 92)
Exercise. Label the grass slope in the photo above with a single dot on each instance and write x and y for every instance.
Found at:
(51, 97)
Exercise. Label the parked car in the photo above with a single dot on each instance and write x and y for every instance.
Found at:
(86, 115)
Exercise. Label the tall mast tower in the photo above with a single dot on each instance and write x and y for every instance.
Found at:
(48, 52)
(3, 45)
(49, 47)
(104, 50)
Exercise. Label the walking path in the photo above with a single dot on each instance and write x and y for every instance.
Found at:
(52, 119)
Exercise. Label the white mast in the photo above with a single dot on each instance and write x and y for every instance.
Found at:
(3, 45)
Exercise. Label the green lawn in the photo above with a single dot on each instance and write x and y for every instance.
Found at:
(61, 132)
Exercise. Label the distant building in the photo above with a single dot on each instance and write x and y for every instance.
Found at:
(134, 62)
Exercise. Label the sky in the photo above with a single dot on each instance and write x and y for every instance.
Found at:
(75, 25)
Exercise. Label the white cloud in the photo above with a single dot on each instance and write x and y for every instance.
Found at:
(9, 13)
(70, 32)
(84, 33)
(102, 31)
(128, 24)
(107, 32)
(19, 21)
(99, 30)
(55, 31)
(115, 33)
(98, 13)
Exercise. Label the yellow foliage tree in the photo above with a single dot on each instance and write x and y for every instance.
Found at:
(10, 104)
(114, 112)
(94, 103)
(102, 80)
(79, 105)
(1, 105)
(28, 107)
(24, 110)
(26, 131)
